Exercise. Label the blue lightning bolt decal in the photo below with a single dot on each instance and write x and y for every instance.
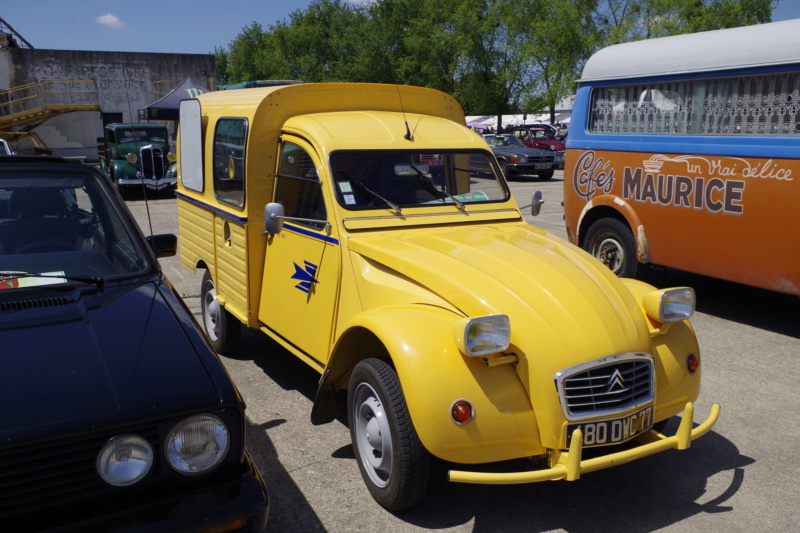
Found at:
(305, 275)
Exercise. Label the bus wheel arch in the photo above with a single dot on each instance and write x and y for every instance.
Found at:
(607, 234)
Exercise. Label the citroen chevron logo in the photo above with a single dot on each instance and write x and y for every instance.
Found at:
(305, 275)
(616, 381)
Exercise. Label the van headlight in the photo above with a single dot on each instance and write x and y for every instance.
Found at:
(197, 444)
(483, 335)
(124, 460)
(670, 305)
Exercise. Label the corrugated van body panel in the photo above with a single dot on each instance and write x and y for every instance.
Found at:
(196, 230)
(231, 275)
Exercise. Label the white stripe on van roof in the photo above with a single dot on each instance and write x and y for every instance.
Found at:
(776, 43)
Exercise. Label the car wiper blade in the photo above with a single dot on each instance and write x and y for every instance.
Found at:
(375, 197)
(431, 187)
(90, 280)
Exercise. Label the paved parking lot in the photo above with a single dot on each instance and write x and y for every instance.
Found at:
(741, 477)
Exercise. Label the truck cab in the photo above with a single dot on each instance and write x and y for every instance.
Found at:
(138, 155)
(366, 230)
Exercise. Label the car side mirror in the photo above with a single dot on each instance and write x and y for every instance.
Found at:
(273, 218)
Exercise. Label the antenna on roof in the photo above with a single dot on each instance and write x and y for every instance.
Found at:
(408, 135)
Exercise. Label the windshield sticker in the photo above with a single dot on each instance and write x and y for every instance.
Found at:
(305, 275)
(345, 186)
(8, 282)
(349, 199)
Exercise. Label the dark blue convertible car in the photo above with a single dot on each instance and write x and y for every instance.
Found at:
(115, 412)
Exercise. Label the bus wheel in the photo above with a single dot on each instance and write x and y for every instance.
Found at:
(222, 328)
(394, 464)
(610, 241)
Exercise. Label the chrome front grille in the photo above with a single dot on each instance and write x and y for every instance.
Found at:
(541, 159)
(152, 162)
(606, 386)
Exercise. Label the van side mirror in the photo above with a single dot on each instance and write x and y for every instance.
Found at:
(273, 218)
(536, 203)
(165, 245)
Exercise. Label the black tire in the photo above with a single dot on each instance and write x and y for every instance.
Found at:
(546, 175)
(611, 241)
(504, 168)
(393, 462)
(222, 328)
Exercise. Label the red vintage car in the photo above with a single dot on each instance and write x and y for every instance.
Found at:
(541, 138)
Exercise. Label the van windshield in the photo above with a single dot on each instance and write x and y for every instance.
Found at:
(366, 180)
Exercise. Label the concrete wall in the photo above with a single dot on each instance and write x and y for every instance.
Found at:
(124, 83)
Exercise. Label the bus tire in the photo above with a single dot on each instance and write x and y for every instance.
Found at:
(392, 460)
(611, 242)
(222, 328)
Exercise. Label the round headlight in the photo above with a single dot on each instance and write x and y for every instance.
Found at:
(124, 460)
(197, 444)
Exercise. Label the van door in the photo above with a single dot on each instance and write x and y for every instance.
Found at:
(302, 264)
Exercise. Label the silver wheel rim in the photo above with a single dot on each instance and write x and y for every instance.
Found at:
(609, 251)
(211, 313)
(373, 437)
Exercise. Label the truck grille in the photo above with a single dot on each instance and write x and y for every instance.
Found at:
(606, 386)
(152, 159)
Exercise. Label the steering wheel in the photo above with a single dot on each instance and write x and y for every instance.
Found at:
(44, 247)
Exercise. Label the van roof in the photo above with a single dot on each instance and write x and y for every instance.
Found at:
(283, 101)
(776, 43)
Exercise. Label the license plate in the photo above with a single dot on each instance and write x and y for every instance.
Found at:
(614, 430)
(542, 167)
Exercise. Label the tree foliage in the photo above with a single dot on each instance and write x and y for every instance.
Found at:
(493, 56)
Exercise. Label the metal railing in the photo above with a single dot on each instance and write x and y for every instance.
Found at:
(36, 101)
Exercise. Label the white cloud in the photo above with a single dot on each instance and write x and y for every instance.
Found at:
(110, 21)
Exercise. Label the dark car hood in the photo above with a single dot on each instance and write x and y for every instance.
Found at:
(116, 356)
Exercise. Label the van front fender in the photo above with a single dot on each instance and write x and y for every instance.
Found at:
(433, 373)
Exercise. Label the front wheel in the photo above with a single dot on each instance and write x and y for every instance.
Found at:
(610, 241)
(394, 464)
(546, 175)
(222, 328)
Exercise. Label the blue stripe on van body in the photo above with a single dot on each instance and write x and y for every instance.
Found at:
(307, 233)
(211, 207)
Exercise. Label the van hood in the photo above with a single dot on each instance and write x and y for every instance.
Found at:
(557, 297)
(116, 356)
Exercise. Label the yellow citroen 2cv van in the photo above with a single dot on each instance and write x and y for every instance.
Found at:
(370, 233)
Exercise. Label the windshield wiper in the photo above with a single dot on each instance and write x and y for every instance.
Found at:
(431, 187)
(93, 280)
(372, 195)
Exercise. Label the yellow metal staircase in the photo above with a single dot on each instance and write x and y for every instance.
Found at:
(24, 107)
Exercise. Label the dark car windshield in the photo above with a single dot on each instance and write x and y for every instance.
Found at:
(58, 226)
(370, 179)
(504, 140)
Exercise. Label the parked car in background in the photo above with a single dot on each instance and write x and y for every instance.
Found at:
(116, 412)
(542, 138)
(136, 155)
(516, 158)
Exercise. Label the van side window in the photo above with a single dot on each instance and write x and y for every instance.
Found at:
(298, 187)
(230, 137)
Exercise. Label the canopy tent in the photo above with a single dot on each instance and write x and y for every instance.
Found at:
(166, 107)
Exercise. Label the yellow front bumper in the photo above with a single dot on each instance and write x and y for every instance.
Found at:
(570, 466)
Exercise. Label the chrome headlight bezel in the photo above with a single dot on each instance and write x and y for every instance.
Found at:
(124, 460)
(197, 445)
(481, 336)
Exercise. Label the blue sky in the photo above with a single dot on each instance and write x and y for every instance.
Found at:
(192, 27)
